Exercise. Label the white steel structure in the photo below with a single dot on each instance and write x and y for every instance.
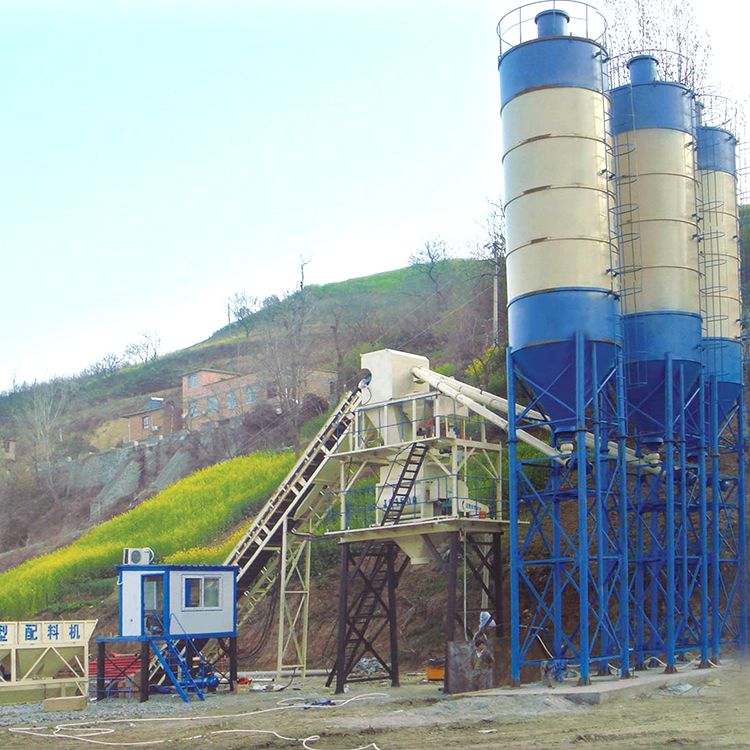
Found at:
(44, 659)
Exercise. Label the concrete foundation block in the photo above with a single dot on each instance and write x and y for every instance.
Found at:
(65, 703)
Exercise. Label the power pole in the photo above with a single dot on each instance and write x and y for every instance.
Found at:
(495, 296)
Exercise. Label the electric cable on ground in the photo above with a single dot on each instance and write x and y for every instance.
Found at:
(87, 731)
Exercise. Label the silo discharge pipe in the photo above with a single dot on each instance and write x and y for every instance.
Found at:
(501, 404)
(432, 379)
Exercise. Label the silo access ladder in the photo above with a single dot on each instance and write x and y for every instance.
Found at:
(294, 501)
(373, 564)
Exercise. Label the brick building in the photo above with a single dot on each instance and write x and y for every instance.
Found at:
(8, 452)
(160, 417)
(212, 395)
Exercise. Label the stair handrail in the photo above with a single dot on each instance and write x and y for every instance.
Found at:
(188, 638)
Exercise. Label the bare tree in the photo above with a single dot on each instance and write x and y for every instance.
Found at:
(144, 348)
(351, 322)
(650, 26)
(430, 259)
(490, 248)
(108, 364)
(242, 308)
(289, 348)
(38, 421)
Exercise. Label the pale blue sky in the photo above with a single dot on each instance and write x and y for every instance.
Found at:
(158, 156)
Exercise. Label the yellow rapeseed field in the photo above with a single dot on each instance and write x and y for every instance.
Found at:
(176, 524)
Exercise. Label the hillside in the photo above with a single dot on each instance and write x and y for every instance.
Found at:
(441, 310)
(188, 515)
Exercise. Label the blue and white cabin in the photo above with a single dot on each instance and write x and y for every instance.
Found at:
(178, 601)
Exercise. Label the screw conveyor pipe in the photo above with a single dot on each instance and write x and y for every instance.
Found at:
(480, 397)
(451, 390)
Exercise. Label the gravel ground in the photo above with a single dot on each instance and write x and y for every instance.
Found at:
(413, 717)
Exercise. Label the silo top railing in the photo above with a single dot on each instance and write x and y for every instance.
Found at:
(718, 111)
(519, 25)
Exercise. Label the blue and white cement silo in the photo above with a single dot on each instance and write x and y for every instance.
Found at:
(563, 342)
(724, 414)
(557, 202)
(653, 123)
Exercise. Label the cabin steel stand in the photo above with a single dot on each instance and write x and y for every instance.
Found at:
(569, 567)
(161, 660)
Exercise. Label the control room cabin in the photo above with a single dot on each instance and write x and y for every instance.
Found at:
(177, 600)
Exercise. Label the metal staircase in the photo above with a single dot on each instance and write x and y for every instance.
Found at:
(176, 668)
(292, 503)
(372, 603)
(406, 480)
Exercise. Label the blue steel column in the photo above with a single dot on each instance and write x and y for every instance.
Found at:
(624, 572)
(670, 510)
(583, 526)
(515, 615)
(742, 530)
(602, 518)
(703, 509)
(713, 416)
(682, 536)
(640, 572)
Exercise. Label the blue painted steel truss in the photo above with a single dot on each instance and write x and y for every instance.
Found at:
(727, 526)
(568, 551)
(628, 560)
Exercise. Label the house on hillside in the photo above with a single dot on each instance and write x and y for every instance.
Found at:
(8, 446)
(213, 395)
(160, 417)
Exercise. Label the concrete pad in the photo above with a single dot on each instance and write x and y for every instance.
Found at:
(65, 703)
(604, 689)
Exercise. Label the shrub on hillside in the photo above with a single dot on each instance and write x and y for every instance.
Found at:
(191, 512)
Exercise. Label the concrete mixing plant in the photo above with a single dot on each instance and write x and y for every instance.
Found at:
(622, 510)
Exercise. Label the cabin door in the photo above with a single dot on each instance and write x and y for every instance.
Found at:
(153, 604)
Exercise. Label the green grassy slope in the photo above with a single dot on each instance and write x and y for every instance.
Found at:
(190, 513)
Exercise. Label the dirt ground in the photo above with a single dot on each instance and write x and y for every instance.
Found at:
(712, 716)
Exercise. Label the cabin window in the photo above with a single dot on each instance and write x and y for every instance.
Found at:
(231, 401)
(202, 592)
(249, 394)
(213, 404)
(146, 422)
(192, 409)
(192, 381)
(211, 592)
(153, 587)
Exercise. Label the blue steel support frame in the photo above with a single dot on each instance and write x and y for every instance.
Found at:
(668, 533)
(569, 585)
(728, 529)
